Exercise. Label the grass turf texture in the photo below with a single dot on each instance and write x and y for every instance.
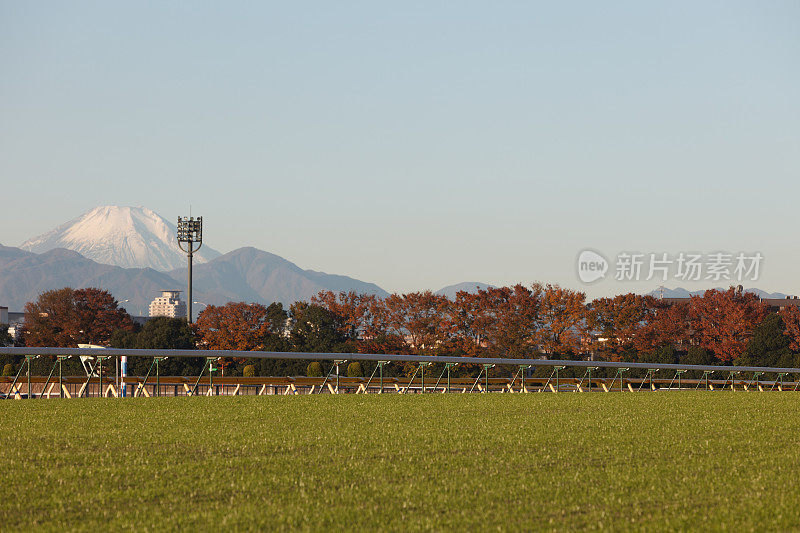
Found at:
(622, 461)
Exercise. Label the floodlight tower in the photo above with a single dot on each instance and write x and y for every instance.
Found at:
(190, 232)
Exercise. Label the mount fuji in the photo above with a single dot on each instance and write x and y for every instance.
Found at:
(128, 237)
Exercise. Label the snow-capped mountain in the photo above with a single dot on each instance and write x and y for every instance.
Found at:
(129, 237)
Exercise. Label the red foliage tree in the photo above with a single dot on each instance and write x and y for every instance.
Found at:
(508, 320)
(233, 326)
(668, 326)
(791, 320)
(68, 317)
(417, 318)
(563, 317)
(461, 321)
(616, 322)
(725, 320)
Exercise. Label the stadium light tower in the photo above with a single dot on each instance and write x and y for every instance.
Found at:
(190, 232)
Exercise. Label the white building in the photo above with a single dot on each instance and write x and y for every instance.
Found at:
(168, 304)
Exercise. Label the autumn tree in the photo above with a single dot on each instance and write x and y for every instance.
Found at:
(791, 320)
(68, 317)
(463, 322)
(233, 326)
(417, 317)
(363, 321)
(725, 320)
(508, 320)
(562, 316)
(350, 307)
(667, 325)
(616, 322)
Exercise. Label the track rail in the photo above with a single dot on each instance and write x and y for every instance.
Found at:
(114, 352)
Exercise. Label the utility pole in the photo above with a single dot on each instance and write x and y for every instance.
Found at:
(190, 232)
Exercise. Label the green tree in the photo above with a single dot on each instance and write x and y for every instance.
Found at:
(354, 370)
(315, 329)
(661, 354)
(314, 369)
(697, 355)
(769, 345)
(160, 333)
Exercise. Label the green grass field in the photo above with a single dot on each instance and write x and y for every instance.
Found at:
(705, 460)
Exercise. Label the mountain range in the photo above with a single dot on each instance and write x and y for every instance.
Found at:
(680, 292)
(131, 252)
(246, 274)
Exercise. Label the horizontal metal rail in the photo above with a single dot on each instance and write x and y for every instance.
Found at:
(113, 352)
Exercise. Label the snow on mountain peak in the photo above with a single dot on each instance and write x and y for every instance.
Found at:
(130, 237)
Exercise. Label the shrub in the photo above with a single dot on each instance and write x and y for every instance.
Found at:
(249, 371)
(354, 370)
(314, 370)
(8, 370)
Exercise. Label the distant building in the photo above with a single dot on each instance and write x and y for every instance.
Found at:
(168, 304)
(3, 315)
(773, 304)
(776, 304)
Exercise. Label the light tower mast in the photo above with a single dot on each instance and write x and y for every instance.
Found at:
(190, 232)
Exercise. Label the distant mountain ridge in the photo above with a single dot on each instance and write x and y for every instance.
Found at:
(680, 292)
(471, 287)
(24, 275)
(130, 237)
(249, 274)
(246, 274)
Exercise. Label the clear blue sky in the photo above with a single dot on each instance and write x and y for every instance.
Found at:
(417, 145)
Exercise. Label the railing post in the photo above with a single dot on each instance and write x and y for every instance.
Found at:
(50, 375)
(28, 360)
(757, 380)
(449, 366)
(648, 378)
(486, 379)
(202, 371)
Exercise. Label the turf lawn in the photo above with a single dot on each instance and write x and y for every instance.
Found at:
(666, 461)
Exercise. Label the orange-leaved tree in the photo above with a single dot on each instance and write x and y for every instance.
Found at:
(616, 322)
(563, 317)
(668, 326)
(233, 326)
(417, 317)
(725, 320)
(508, 320)
(791, 320)
(68, 317)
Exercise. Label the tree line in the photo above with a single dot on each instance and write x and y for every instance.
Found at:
(541, 320)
